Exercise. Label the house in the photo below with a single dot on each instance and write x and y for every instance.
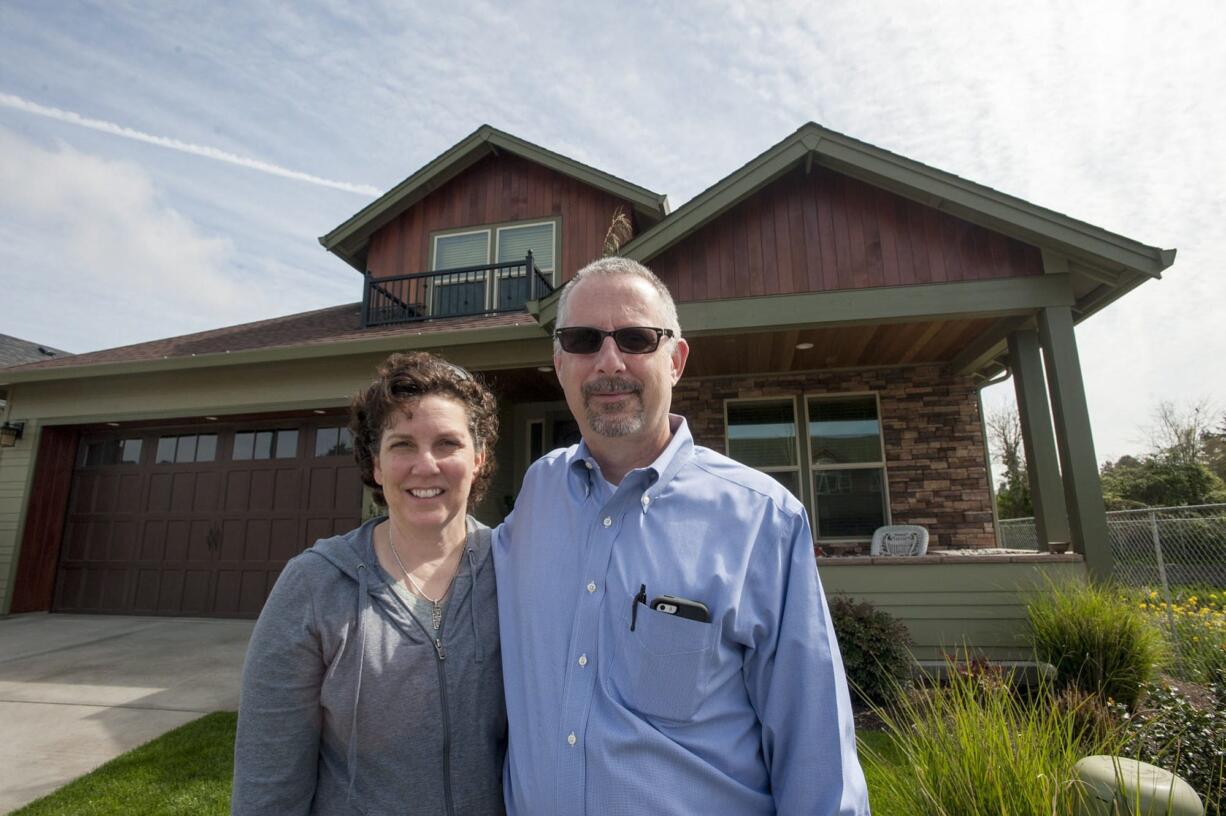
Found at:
(844, 306)
(15, 351)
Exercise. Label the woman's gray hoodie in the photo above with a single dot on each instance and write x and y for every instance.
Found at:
(349, 707)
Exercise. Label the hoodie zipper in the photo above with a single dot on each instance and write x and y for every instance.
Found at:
(440, 653)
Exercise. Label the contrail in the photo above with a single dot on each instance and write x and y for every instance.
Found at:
(17, 103)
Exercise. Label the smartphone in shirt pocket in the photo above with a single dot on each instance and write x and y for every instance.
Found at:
(662, 667)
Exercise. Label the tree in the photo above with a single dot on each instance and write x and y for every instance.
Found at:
(1157, 481)
(1179, 433)
(1180, 468)
(1005, 441)
(1215, 450)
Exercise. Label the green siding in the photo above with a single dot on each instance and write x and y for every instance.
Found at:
(16, 466)
(928, 597)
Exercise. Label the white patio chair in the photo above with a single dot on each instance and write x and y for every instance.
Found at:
(900, 539)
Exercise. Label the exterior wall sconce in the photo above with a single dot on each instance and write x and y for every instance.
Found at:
(10, 432)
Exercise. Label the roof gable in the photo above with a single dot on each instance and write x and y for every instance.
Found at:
(350, 240)
(1096, 248)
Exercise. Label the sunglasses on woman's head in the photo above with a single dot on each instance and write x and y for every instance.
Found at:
(629, 339)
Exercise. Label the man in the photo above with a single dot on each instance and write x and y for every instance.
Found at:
(666, 646)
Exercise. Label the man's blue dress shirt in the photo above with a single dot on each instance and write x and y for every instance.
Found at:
(747, 714)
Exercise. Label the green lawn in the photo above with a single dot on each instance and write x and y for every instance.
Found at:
(185, 771)
(188, 770)
(880, 744)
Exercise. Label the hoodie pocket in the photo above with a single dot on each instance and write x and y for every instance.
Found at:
(662, 669)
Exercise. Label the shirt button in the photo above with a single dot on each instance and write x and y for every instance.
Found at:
(570, 738)
(591, 586)
(646, 500)
(587, 463)
(608, 521)
(582, 660)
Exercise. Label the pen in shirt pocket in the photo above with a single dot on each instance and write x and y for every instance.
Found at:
(641, 598)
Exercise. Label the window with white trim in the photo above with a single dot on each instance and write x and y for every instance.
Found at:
(847, 461)
(476, 291)
(840, 458)
(761, 433)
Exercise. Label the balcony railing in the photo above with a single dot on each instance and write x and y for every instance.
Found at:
(466, 291)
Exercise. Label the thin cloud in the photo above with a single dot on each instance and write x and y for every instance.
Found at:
(17, 103)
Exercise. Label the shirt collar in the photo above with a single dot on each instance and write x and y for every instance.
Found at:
(651, 479)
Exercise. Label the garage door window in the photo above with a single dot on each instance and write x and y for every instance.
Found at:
(177, 450)
(279, 444)
(110, 452)
(333, 442)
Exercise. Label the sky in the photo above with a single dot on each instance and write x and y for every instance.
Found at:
(168, 167)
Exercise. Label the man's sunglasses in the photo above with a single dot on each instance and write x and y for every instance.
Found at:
(629, 340)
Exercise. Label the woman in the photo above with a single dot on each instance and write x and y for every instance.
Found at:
(373, 682)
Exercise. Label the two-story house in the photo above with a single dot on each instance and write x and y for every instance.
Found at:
(844, 306)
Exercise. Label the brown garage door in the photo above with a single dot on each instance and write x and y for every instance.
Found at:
(199, 520)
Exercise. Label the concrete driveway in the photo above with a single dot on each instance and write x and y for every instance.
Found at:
(77, 690)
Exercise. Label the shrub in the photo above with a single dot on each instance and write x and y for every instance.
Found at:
(974, 746)
(874, 647)
(1097, 640)
(1188, 739)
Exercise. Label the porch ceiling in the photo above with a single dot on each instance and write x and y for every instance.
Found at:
(854, 346)
(515, 385)
(858, 346)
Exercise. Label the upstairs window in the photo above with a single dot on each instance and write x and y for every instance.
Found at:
(476, 290)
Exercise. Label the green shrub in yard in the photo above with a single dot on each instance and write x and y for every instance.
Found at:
(1171, 731)
(874, 649)
(1098, 641)
(974, 746)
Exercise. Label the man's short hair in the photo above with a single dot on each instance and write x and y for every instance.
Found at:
(615, 266)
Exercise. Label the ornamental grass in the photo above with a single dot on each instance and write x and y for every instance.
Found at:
(975, 746)
(1098, 641)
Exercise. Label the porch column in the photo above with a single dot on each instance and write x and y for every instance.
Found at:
(1079, 466)
(1042, 468)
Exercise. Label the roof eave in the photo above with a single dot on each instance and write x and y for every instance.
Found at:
(527, 330)
(936, 188)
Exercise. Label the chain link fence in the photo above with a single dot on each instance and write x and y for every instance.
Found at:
(1156, 547)
(1018, 534)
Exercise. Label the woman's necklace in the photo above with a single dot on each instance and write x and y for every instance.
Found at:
(436, 605)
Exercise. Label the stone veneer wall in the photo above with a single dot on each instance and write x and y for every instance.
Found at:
(933, 441)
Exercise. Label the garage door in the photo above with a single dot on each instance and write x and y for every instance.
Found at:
(199, 520)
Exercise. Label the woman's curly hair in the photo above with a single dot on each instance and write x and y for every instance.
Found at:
(402, 380)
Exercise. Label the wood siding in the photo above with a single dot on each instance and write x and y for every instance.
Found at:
(496, 190)
(824, 231)
(40, 543)
(949, 602)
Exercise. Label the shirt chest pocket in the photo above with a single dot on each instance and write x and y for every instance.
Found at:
(663, 667)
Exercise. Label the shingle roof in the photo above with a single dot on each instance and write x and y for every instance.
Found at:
(15, 351)
(335, 324)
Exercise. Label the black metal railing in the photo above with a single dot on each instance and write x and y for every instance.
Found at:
(466, 291)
